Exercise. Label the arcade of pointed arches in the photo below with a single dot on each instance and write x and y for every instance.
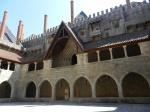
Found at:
(133, 85)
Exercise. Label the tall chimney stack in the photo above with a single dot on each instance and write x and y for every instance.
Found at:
(45, 23)
(128, 4)
(19, 33)
(3, 25)
(72, 11)
(22, 32)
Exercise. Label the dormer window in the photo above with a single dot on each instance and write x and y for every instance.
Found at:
(115, 24)
(106, 33)
(81, 32)
(95, 26)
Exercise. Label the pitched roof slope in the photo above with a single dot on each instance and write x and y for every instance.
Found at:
(117, 40)
(8, 35)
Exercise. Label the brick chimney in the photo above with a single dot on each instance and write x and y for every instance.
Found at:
(128, 4)
(19, 33)
(72, 11)
(3, 25)
(45, 23)
(22, 32)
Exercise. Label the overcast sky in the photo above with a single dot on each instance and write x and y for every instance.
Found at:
(32, 12)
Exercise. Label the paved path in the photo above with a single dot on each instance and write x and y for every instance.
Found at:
(72, 107)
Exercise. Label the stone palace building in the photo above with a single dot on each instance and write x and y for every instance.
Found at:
(104, 57)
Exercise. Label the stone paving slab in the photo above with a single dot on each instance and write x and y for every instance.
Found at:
(72, 107)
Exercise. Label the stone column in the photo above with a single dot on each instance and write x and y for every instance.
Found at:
(93, 92)
(98, 57)
(3, 25)
(111, 55)
(120, 91)
(53, 93)
(8, 65)
(35, 66)
(71, 93)
(37, 92)
(125, 51)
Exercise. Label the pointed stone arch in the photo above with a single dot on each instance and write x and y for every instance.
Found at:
(62, 88)
(45, 89)
(82, 88)
(31, 90)
(5, 90)
(135, 85)
(106, 86)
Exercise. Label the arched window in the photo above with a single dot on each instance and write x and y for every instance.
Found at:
(74, 60)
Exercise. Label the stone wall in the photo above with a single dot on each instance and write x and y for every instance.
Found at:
(116, 69)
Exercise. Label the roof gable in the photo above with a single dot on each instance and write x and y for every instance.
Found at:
(63, 34)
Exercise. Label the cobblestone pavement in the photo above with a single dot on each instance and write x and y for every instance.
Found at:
(72, 107)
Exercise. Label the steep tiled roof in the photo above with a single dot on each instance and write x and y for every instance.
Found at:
(8, 35)
(116, 40)
(10, 56)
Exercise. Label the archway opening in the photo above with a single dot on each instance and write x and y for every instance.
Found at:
(92, 57)
(133, 50)
(82, 88)
(62, 90)
(118, 52)
(12, 67)
(31, 90)
(45, 89)
(40, 66)
(104, 55)
(4, 65)
(5, 90)
(106, 87)
(74, 60)
(135, 85)
(31, 67)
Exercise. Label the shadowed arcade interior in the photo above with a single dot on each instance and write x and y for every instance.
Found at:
(5, 90)
(135, 85)
(82, 88)
(31, 90)
(45, 89)
(106, 87)
(62, 90)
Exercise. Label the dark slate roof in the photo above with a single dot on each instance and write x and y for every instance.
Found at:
(33, 58)
(8, 35)
(117, 40)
